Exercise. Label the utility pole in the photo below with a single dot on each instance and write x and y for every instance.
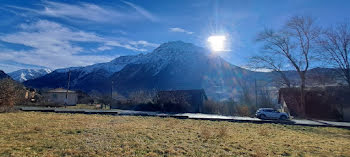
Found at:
(65, 104)
(256, 94)
(112, 90)
(111, 95)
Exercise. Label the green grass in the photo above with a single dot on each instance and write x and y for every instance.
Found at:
(51, 134)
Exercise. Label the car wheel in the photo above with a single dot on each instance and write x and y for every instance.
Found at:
(283, 117)
(262, 116)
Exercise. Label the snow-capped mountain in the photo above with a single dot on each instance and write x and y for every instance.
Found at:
(173, 65)
(110, 67)
(160, 55)
(28, 74)
(179, 65)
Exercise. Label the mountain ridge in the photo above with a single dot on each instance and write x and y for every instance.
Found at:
(3, 75)
(28, 74)
(171, 66)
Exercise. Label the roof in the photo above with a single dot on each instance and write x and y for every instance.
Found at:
(60, 90)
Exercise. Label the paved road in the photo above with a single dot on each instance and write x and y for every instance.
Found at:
(199, 116)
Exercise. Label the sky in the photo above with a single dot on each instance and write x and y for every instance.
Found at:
(58, 34)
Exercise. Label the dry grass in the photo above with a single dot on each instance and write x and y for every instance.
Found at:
(50, 134)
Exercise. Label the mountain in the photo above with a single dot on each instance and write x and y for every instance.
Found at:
(28, 74)
(3, 75)
(179, 65)
(90, 78)
(173, 65)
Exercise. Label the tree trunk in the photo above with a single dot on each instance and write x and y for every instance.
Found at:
(286, 80)
(302, 95)
(347, 76)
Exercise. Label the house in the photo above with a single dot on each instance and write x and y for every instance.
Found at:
(61, 96)
(328, 103)
(181, 100)
(30, 95)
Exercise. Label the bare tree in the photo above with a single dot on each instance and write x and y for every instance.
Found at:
(270, 63)
(246, 94)
(265, 96)
(292, 45)
(335, 42)
(11, 94)
(321, 76)
(141, 96)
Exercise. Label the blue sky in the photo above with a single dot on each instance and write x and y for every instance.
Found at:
(57, 34)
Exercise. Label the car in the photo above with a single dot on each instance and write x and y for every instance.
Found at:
(270, 113)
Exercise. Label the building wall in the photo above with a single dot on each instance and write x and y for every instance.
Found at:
(60, 98)
(331, 103)
(346, 114)
(317, 106)
(284, 107)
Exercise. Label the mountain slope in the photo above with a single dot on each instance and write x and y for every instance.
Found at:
(89, 78)
(3, 75)
(28, 74)
(178, 65)
(173, 65)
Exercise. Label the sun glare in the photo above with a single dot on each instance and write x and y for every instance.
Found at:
(217, 42)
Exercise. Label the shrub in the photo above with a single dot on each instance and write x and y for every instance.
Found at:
(137, 100)
(173, 101)
(243, 110)
(11, 94)
(141, 97)
(211, 107)
(216, 107)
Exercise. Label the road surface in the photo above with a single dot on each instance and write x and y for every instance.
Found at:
(198, 116)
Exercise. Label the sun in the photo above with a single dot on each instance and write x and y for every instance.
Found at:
(217, 42)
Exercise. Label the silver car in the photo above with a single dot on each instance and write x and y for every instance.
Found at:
(270, 113)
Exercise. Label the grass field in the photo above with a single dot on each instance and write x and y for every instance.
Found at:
(52, 134)
(84, 106)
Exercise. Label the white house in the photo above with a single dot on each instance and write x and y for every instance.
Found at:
(61, 96)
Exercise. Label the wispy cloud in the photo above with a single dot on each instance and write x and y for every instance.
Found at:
(82, 11)
(9, 66)
(126, 46)
(142, 11)
(143, 43)
(104, 48)
(56, 46)
(90, 12)
(181, 30)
